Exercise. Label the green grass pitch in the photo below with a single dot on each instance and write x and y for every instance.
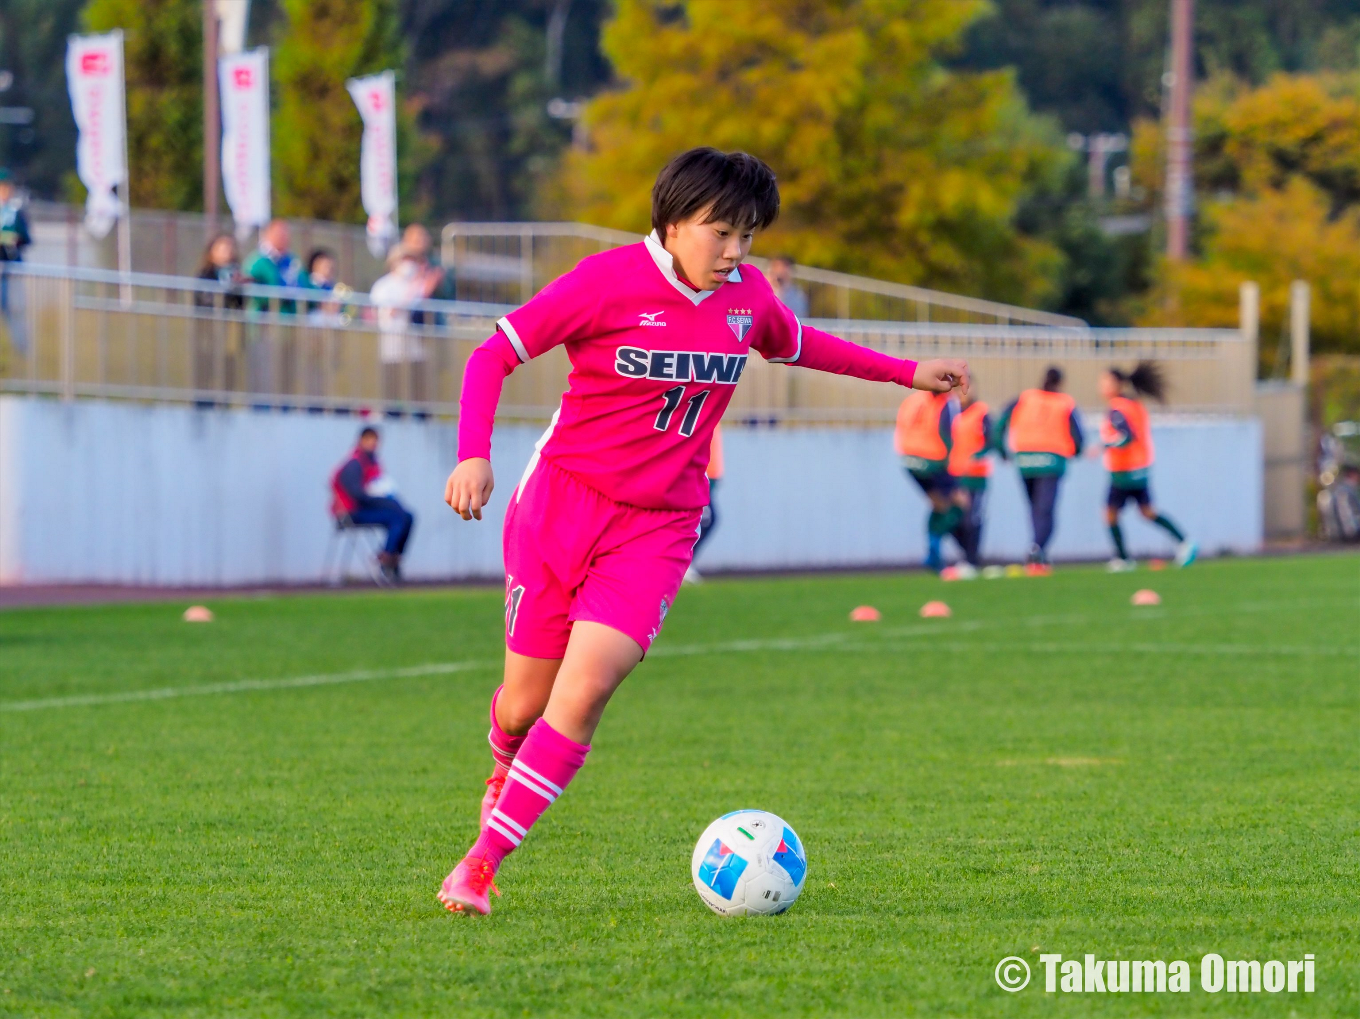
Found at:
(1050, 770)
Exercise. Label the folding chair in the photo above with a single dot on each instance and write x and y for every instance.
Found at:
(347, 538)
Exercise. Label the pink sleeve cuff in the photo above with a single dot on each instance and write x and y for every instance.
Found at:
(482, 380)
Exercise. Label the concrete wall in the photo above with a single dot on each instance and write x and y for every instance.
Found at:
(120, 493)
(1282, 408)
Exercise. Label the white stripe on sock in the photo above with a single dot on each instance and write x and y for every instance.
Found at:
(500, 829)
(503, 757)
(502, 816)
(556, 789)
(528, 783)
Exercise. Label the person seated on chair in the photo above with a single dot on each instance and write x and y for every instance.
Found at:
(364, 497)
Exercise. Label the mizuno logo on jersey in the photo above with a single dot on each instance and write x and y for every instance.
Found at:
(679, 365)
(649, 318)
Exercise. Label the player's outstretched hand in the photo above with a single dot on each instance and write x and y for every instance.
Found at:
(941, 375)
(469, 487)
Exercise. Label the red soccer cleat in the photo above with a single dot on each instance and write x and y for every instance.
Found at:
(468, 888)
(494, 785)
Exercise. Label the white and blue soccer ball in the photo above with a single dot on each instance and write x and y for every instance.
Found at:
(749, 863)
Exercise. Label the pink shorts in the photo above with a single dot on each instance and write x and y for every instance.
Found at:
(572, 553)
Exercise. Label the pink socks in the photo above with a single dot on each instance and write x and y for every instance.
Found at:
(547, 761)
(504, 747)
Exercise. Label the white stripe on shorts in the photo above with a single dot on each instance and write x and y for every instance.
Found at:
(538, 448)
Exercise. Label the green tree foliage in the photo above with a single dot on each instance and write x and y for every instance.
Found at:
(1097, 271)
(316, 129)
(482, 73)
(1097, 64)
(33, 48)
(163, 57)
(889, 165)
(1278, 172)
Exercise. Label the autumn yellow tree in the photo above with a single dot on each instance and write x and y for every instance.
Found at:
(889, 164)
(1278, 173)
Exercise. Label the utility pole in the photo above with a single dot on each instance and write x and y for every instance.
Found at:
(212, 128)
(1179, 167)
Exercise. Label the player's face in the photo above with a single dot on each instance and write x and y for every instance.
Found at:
(1109, 386)
(706, 253)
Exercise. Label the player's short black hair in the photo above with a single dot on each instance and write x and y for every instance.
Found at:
(367, 431)
(734, 186)
(318, 253)
(1053, 378)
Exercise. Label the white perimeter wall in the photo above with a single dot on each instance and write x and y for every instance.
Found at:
(117, 493)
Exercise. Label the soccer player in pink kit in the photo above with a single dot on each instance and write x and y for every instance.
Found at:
(602, 524)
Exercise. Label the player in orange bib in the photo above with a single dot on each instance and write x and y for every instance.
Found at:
(1044, 433)
(1127, 435)
(970, 468)
(922, 439)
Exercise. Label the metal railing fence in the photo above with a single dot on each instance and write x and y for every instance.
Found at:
(95, 333)
(502, 263)
(510, 262)
(171, 243)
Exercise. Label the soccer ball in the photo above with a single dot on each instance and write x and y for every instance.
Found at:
(748, 863)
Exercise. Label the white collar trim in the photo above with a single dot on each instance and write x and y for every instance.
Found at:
(665, 261)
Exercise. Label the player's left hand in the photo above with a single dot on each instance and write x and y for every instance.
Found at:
(941, 375)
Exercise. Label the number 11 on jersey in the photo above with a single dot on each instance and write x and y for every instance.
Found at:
(671, 402)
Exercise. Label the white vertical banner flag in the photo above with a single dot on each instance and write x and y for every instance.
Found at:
(94, 77)
(376, 97)
(243, 84)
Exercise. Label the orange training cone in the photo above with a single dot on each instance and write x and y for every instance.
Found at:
(865, 614)
(935, 610)
(1146, 597)
(198, 614)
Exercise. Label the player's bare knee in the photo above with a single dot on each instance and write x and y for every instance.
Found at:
(517, 714)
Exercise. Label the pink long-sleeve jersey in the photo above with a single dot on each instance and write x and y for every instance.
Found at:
(653, 366)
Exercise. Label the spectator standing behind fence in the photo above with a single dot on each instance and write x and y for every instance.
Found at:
(363, 496)
(322, 274)
(221, 264)
(217, 338)
(14, 237)
(434, 282)
(781, 279)
(272, 264)
(400, 348)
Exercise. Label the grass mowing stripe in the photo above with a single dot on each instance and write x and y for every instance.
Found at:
(837, 640)
(1043, 647)
(246, 686)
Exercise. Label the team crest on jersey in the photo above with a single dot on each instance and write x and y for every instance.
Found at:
(740, 320)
